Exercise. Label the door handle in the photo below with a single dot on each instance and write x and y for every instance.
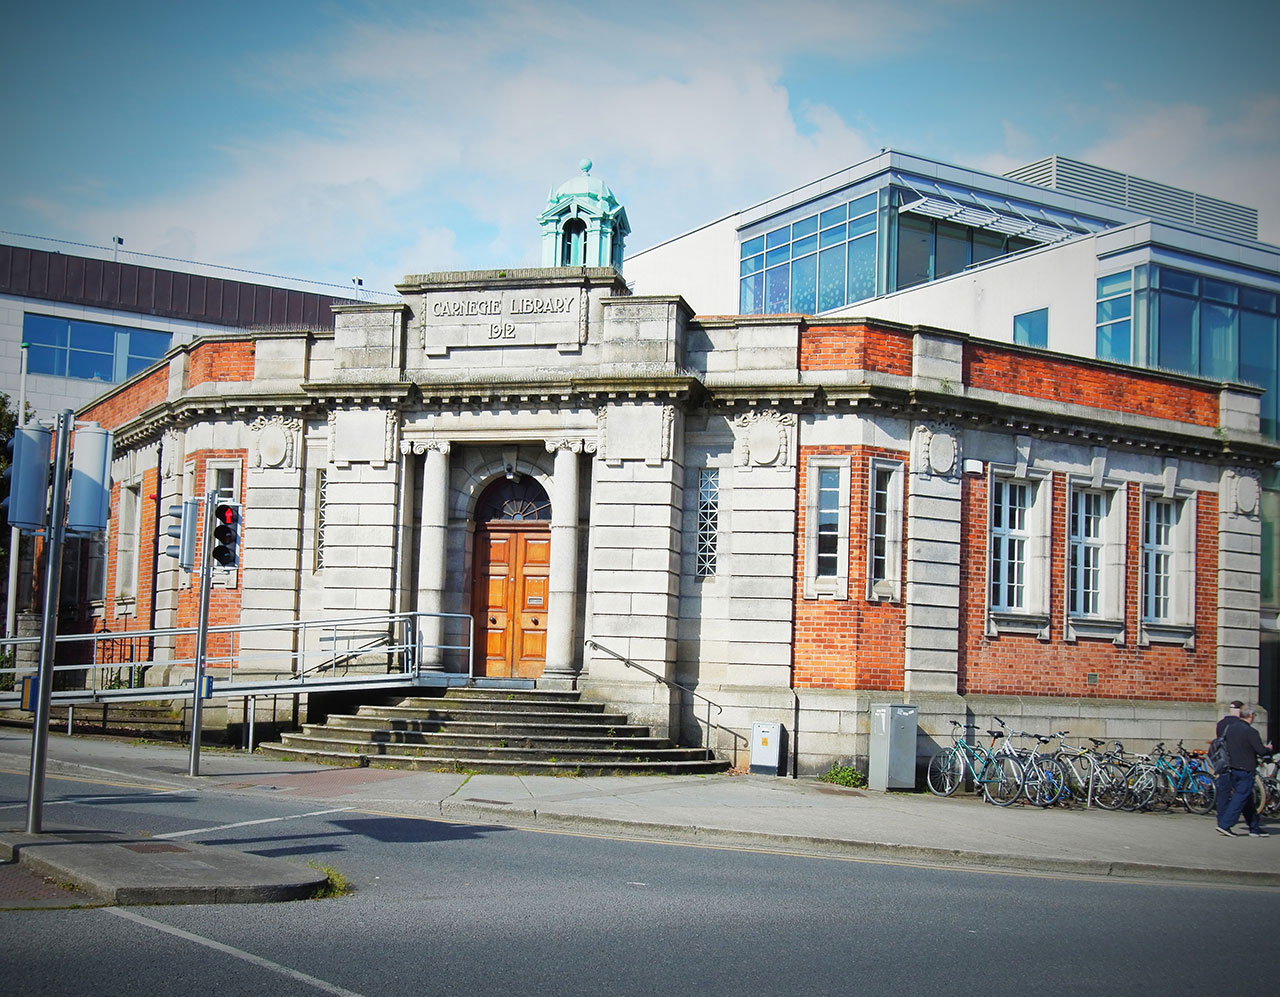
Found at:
(493, 619)
(535, 621)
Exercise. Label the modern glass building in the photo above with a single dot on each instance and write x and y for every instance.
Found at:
(1057, 255)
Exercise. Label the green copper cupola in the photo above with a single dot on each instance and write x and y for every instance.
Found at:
(583, 224)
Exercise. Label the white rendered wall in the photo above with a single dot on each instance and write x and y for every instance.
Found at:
(702, 264)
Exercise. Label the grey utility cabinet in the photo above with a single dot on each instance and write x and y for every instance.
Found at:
(891, 756)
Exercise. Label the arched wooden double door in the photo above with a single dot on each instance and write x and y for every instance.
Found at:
(510, 586)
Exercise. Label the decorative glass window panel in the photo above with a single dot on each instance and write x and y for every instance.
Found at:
(831, 278)
(804, 284)
(862, 268)
(708, 522)
(777, 290)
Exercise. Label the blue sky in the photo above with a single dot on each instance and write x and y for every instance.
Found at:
(326, 140)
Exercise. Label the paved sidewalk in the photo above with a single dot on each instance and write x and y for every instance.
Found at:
(776, 813)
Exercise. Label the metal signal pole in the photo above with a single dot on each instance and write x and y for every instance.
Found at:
(202, 633)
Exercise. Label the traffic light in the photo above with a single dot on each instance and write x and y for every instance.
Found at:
(27, 477)
(227, 524)
(90, 480)
(184, 531)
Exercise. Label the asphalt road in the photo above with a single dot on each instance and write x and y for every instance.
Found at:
(443, 908)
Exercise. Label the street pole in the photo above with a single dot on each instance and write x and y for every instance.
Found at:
(54, 536)
(15, 534)
(202, 634)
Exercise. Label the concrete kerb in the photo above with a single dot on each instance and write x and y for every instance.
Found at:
(129, 870)
(862, 851)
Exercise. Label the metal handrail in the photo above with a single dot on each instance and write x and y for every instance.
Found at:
(683, 688)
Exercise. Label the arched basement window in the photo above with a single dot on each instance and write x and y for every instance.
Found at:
(521, 500)
(573, 243)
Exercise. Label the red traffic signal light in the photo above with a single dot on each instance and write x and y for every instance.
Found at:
(227, 522)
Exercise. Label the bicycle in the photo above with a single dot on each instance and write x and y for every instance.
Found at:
(948, 768)
(1092, 776)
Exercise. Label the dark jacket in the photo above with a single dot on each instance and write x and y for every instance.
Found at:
(1244, 744)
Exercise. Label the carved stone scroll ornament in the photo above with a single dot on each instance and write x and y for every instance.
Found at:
(420, 447)
(572, 444)
(171, 449)
(274, 442)
(764, 438)
(1247, 492)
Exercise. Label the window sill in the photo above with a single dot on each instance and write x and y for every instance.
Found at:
(1036, 624)
(1167, 633)
(1087, 627)
(830, 589)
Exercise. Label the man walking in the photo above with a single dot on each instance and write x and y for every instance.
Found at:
(1235, 783)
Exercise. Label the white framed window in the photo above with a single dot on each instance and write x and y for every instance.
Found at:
(708, 534)
(1095, 561)
(1018, 554)
(884, 530)
(826, 560)
(128, 530)
(1168, 568)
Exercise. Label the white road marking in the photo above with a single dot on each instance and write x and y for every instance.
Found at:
(250, 823)
(249, 957)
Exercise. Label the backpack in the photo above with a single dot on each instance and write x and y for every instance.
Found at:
(1219, 758)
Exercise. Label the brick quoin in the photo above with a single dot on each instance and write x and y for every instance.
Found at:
(1022, 664)
(847, 643)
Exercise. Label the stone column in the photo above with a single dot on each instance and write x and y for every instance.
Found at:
(561, 657)
(432, 537)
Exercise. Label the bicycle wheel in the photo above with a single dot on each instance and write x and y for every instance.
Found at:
(1001, 780)
(1076, 769)
(1164, 794)
(1046, 781)
(1141, 782)
(1273, 796)
(1110, 786)
(1199, 794)
(1259, 793)
(946, 772)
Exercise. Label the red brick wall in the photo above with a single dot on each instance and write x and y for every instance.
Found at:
(221, 361)
(858, 347)
(224, 603)
(1022, 664)
(850, 643)
(1066, 379)
(119, 408)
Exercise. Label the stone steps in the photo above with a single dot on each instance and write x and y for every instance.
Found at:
(480, 729)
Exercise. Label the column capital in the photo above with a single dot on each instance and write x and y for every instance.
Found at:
(572, 445)
(422, 446)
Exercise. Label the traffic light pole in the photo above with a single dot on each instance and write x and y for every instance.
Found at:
(202, 633)
(54, 537)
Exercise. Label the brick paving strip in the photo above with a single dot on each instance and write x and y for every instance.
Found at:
(21, 889)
